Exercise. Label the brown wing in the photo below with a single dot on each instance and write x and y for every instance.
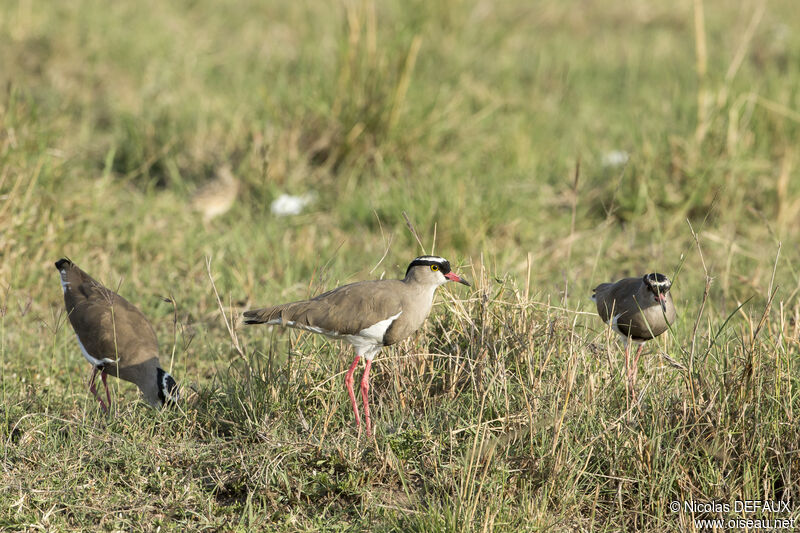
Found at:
(107, 325)
(345, 310)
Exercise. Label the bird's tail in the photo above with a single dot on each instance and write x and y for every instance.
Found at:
(63, 263)
(71, 275)
(600, 288)
(259, 316)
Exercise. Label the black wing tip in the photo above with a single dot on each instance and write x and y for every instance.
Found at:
(251, 317)
(63, 262)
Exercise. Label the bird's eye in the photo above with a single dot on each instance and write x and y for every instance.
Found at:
(435, 268)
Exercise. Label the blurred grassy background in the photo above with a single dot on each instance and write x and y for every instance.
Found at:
(471, 117)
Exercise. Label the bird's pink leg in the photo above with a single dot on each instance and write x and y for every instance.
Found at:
(364, 391)
(627, 372)
(103, 376)
(93, 389)
(348, 382)
(91, 381)
(635, 369)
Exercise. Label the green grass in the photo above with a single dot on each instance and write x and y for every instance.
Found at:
(506, 411)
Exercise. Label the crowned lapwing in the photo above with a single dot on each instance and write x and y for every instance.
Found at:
(366, 314)
(114, 336)
(638, 309)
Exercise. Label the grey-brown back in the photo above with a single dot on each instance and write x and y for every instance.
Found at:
(350, 309)
(110, 328)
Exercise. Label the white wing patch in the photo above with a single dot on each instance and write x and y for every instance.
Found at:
(378, 330)
(95, 361)
(367, 342)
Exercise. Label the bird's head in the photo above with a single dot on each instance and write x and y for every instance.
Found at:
(432, 270)
(659, 285)
(168, 393)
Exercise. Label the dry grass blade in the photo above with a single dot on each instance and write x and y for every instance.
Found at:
(405, 80)
(771, 291)
(388, 242)
(413, 231)
(230, 325)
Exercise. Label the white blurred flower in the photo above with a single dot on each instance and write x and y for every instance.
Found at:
(615, 158)
(287, 205)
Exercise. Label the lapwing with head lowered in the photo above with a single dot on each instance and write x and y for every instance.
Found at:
(368, 314)
(638, 309)
(115, 337)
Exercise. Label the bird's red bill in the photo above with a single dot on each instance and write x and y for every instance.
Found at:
(661, 298)
(453, 277)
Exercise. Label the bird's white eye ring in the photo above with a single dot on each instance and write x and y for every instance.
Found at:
(435, 268)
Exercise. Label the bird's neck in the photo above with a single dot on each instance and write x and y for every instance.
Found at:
(425, 291)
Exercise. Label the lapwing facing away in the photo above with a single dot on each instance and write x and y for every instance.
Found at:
(366, 314)
(638, 309)
(115, 337)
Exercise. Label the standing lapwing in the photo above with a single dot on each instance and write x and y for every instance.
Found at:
(367, 314)
(638, 309)
(114, 336)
